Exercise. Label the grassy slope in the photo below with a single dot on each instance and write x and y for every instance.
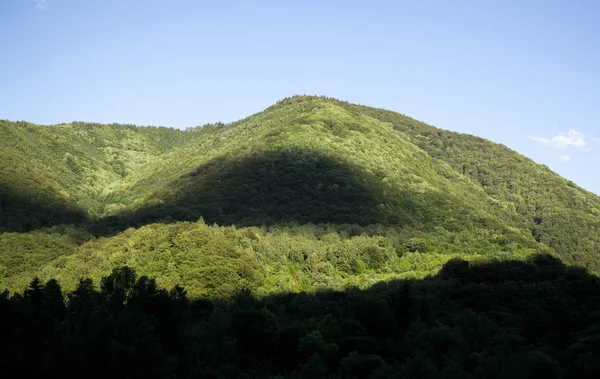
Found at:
(428, 194)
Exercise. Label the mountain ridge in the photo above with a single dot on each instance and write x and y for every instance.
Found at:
(304, 161)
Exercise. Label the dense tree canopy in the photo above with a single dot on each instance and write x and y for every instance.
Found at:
(511, 319)
(317, 238)
(308, 174)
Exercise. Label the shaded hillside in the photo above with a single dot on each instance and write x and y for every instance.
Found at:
(505, 185)
(287, 190)
(270, 188)
(282, 186)
(309, 153)
(512, 319)
(63, 173)
(28, 203)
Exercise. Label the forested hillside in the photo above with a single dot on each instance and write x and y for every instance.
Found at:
(511, 319)
(310, 193)
(315, 239)
(559, 213)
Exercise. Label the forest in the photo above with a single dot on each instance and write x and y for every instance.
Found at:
(513, 319)
(317, 238)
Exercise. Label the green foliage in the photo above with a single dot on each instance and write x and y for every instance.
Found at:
(217, 261)
(510, 319)
(311, 193)
(316, 239)
(558, 213)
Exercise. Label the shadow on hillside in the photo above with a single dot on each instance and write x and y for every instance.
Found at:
(537, 319)
(276, 187)
(24, 213)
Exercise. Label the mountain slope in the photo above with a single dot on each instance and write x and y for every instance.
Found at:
(75, 164)
(392, 196)
(559, 213)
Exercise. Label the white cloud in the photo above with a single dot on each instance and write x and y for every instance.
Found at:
(597, 140)
(40, 4)
(565, 158)
(572, 138)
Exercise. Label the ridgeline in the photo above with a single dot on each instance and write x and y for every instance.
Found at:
(315, 239)
(310, 193)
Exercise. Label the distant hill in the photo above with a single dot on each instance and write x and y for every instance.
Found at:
(312, 192)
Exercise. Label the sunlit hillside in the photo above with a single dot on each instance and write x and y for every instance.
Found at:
(310, 193)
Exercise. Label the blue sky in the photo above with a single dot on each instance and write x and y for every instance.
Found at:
(524, 73)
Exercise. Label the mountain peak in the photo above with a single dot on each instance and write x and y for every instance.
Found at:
(307, 160)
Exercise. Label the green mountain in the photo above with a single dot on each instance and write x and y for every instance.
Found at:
(310, 193)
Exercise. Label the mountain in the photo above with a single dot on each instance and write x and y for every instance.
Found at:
(310, 193)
